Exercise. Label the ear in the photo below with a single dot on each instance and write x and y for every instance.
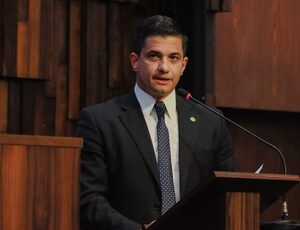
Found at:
(134, 61)
(184, 62)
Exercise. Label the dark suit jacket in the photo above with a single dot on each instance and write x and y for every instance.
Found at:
(119, 184)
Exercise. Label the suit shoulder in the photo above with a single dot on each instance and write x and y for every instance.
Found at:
(104, 107)
(112, 106)
(205, 112)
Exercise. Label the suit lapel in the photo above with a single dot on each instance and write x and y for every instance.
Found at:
(134, 121)
(188, 121)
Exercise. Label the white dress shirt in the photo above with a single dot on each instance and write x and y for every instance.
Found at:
(171, 119)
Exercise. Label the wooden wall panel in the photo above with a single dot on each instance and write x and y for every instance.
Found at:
(14, 107)
(74, 62)
(34, 35)
(4, 106)
(39, 182)
(1, 35)
(48, 50)
(10, 15)
(81, 50)
(38, 110)
(256, 55)
(282, 130)
(22, 47)
(219, 5)
(95, 52)
(23, 59)
(106, 49)
(14, 203)
(115, 34)
(119, 46)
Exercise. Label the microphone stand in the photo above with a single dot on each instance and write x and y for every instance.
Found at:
(188, 97)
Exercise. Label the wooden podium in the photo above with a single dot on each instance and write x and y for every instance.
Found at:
(227, 201)
(39, 182)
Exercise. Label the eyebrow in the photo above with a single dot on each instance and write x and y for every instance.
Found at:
(159, 53)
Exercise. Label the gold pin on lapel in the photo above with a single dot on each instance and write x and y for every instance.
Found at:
(192, 119)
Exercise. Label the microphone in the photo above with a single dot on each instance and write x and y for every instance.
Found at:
(188, 97)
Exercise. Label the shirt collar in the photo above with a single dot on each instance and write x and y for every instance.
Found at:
(147, 102)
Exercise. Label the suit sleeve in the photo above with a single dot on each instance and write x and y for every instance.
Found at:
(95, 209)
(225, 160)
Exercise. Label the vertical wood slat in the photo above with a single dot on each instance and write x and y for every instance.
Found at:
(14, 187)
(95, 63)
(14, 107)
(34, 33)
(10, 35)
(23, 10)
(23, 60)
(246, 207)
(1, 36)
(74, 60)
(61, 106)
(60, 65)
(219, 5)
(4, 106)
(67, 207)
(48, 36)
(40, 161)
(115, 34)
(22, 46)
(38, 114)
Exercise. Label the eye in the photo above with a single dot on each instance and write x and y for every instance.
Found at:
(153, 56)
(174, 57)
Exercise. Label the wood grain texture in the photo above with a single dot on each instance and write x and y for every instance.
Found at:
(4, 106)
(95, 54)
(1, 36)
(14, 107)
(14, 174)
(256, 60)
(36, 140)
(23, 58)
(219, 5)
(280, 129)
(245, 208)
(23, 6)
(10, 16)
(34, 41)
(74, 60)
(39, 183)
(227, 200)
(115, 35)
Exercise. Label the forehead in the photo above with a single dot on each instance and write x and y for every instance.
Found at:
(157, 43)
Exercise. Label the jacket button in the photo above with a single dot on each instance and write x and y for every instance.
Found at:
(156, 207)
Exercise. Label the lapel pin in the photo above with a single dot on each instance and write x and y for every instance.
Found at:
(192, 119)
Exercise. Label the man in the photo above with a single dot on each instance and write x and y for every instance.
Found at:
(132, 150)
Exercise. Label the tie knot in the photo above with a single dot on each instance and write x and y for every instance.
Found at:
(160, 109)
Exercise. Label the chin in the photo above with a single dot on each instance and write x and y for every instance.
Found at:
(162, 93)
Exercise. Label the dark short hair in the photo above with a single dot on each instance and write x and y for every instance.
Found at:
(157, 25)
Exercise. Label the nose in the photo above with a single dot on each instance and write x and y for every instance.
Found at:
(163, 66)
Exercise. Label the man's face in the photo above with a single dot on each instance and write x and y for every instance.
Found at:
(160, 65)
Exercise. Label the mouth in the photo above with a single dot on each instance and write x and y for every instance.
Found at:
(161, 79)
